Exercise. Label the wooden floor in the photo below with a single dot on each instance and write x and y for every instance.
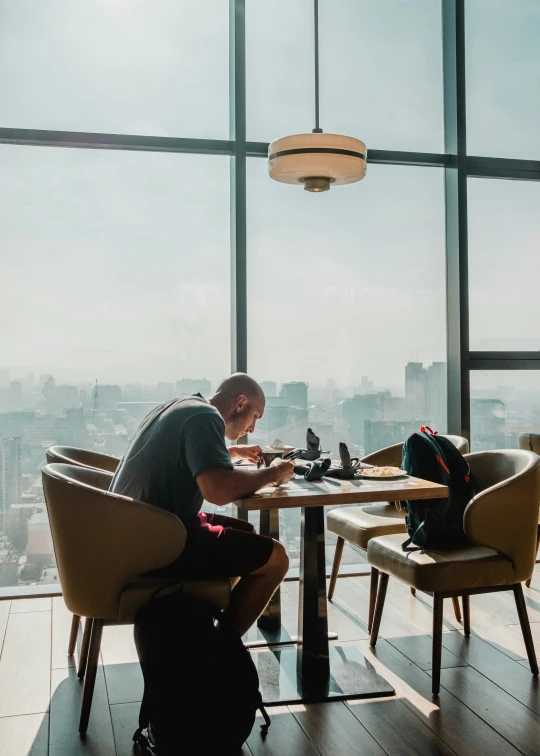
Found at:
(489, 703)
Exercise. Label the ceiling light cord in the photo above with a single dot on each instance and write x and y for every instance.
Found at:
(317, 129)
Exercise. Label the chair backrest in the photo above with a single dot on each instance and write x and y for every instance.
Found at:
(102, 540)
(530, 441)
(70, 455)
(391, 456)
(504, 514)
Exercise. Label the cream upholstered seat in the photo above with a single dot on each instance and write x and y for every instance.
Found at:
(359, 524)
(71, 455)
(104, 543)
(531, 441)
(500, 524)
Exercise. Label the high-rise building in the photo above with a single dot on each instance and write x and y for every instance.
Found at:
(381, 433)
(415, 389)
(295, 394)
(106, 397)
(10, 472)
(364, 407)
(269, 388)
(488, 424)
(189, 386)
(436, 396)
(71, 428)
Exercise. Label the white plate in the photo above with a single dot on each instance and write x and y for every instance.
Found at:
(359, 474)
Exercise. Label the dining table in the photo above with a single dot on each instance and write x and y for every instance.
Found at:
(315, 667)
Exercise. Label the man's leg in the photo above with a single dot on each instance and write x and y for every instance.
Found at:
(252, 593)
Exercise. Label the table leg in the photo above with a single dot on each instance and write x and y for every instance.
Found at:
(313, 653)
(314, 670)
(270, 619)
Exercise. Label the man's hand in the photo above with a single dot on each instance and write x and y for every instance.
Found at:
(284, 470)
(245, 451)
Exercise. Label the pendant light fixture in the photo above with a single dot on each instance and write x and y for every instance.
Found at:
(317, 160)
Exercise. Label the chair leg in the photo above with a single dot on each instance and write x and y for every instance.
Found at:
(457, 610)
(89, 683)
(528, 582)
(83, 659)
(466, 614)
(374, 584)
(525, 627)
(413, 591)
(335, 567)
(437, 643)
(379, 606)
(75, 624)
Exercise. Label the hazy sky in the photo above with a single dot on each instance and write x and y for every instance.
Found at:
(116, 265)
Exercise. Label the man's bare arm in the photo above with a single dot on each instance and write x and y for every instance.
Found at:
(221, 487)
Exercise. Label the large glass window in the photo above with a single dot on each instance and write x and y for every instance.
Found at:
(380, 67)
(115, 296)
(116, 66)
(504, 403)
(504, 264)
(503, 78)
(346, 310)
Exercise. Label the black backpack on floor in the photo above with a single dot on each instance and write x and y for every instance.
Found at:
(201, 687)
(437, 523)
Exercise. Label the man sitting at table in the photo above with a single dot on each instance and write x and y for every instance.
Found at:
(178, 457)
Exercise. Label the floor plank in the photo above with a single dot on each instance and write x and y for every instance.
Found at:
(26, 735)
(61, 629)
(121, 665)
(333, 729)
(31, 605)
(512, 720)
(473, 737)
(407, 736)
(66, 696)
(284, 736)
(507, 673)
(5, 607)
(25, 664)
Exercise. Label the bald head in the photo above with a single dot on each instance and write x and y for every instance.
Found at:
(240, 401)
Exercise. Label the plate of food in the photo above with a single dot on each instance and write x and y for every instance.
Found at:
(381, 473)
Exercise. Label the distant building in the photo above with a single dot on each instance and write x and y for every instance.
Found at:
(71, 428)
(381, 433)
(488, 424)
(294, 394)
(415, 389)
(437, 395)
(106, 397)
(189, 386)
(365, 387)
(10, 472)
(269, 388)
(166, 391)
(364, 407)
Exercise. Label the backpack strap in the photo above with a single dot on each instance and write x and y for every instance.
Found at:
(406, 546)
(267, 721)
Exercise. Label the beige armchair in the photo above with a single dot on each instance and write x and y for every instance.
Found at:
(531, 441)
(70, 455)
(358, 525)
(500, 524)
(104, 544)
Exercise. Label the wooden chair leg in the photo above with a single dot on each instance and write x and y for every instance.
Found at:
(437, 643)
(457, 610)
(89, 683)
(466, 614)
(525, 627)
(379, 606)
(75, 624)
(335, 567)
(528, 582)
(374, 584)
(413, 591)
(83, 659)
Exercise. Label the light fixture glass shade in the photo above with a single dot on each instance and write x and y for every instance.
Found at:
(331, 157)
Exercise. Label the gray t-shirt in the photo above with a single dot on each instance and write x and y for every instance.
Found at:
(176, 441)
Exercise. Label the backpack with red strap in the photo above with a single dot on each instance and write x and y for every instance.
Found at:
(437, 523)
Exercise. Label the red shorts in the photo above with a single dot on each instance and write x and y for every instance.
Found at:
(219, 547)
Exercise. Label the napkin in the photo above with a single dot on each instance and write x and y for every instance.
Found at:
(313, 442)
(315, 470)
(344, 455)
